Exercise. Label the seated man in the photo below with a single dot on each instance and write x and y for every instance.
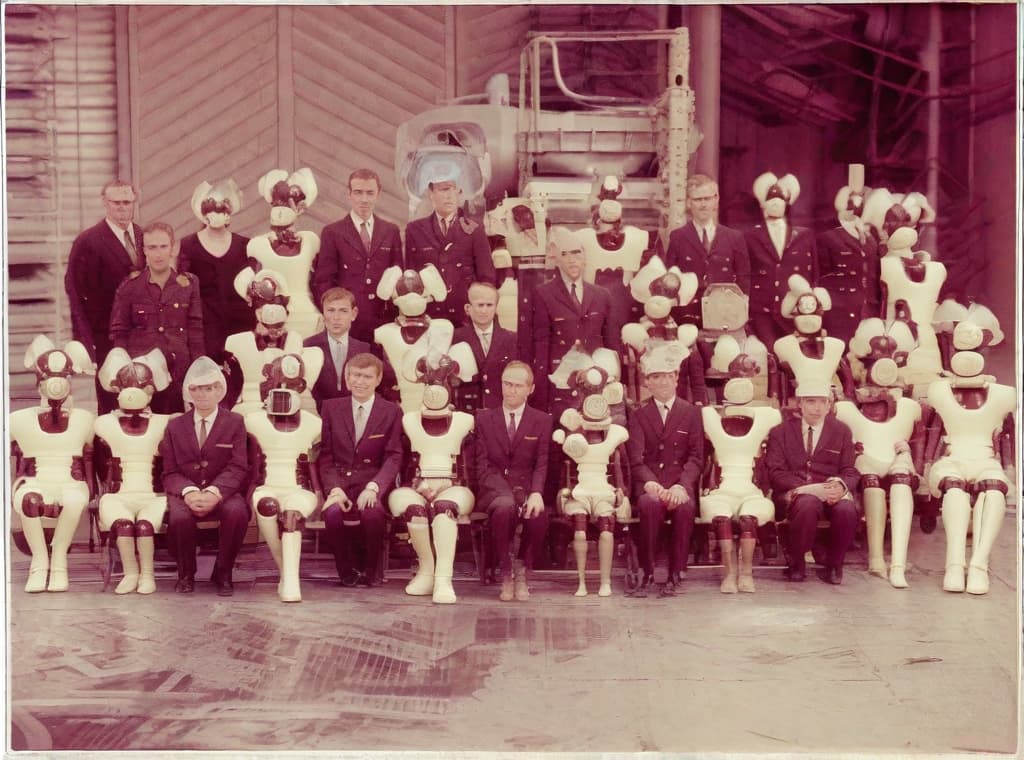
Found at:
(205, 470)
(810, 463)
(360, 455)
(512, 455)
(666, 455)
(337, 342)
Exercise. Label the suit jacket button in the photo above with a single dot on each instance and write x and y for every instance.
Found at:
(203, 463)
(348, 474)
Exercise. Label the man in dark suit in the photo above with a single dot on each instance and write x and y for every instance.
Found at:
(452, 242)
(101, 257)
(712, 251)
(360, 457)
(810, 462)
(666, 456)
(849, 268)
(566, 310)
(511, 454)
(338, 305)
(777, 250)
(355, 251)
(205, 469)
(493, 348)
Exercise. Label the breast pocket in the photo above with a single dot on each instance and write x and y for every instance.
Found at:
(144, 316)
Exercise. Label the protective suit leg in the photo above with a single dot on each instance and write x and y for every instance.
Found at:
(291, 551)
(605, 547)
(956, 512)
(874, 516)
(446, 532)
(32, 527)
(130, 581)
(745, 582)
(67, 523)
(147, 582)
(579, 550)
(423, 582)
(901, 515)
(989, 511)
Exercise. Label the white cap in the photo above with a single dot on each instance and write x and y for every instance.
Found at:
(609, 211)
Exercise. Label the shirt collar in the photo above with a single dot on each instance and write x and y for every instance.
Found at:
(569, 283)
(367, 405)
(710, 227)
(518, 411)
(210, 419)
(449, 219)
(343, 340)
(479, 332)
(358, 221)
(118, 232)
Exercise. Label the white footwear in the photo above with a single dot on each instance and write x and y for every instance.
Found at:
(128, 584)
(36, 580)
(954, 579)
(897, 579)
(977, 580)
(147, 584)
(58, 579)
(444, 593)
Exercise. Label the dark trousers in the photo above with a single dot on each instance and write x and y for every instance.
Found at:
(503, 514)
(356, 538)
(233, 514)
(803, 514)
(652, 514)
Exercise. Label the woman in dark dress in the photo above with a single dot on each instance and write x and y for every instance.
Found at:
(215, 255)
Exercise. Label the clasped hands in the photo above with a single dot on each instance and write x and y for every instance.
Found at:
(201, 503)
(671, 497)
(367, 498)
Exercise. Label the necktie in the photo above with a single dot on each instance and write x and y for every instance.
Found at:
(202, 432)
(511, 426)
(338, 355)
(129, 245)
(485, 342)
(444, 228)
(360, 421)
(576, 295)
(704, 239)
(663, 408)
(810, 441)
(364, 234)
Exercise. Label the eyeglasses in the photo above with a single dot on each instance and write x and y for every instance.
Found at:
(704, 198)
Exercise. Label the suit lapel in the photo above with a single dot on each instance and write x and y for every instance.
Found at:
(371, 422)
(377, 236)
(116, 246)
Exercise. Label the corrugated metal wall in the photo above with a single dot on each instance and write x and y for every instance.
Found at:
(237, 91)
(60, 107)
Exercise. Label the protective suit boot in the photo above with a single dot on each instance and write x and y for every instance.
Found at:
(901, 515)
(423, 582)
(988, 519)
(291, 551)
(956, 513)
(147, 581)
(271, 534)
(579, 550)
(727, 547)
(32, 527)
(130, 581)
(446, 533)
(62, 535)
(745, 582)
(874, 516)
(605, 548)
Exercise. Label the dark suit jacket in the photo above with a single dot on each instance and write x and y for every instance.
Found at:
(343, 261)
(727, 261)
(97, 264)
(670, 454)
(461, 258)
(789, 466)
(326, 385)
(556, 322)
(770, 274)
(849, 271)
(485, 387)
(502, 465)
(377, 456)
(222, 462)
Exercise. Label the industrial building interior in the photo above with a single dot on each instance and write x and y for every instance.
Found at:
(925, 95)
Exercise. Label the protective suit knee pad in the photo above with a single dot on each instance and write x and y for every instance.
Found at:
(32, 505)
(748, 526)
(415, 510)
(268, 506)
(991, 485)
(949, 483)
(122, 527)
(902, 479)
(723, 527)
(579, 522)
(445, 507)
(606, 524)
(291, 521)
(144, 529)
(870, 481)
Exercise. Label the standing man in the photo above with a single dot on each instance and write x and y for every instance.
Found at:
(810, 462)
(493, 348)
(566, 310)
(360, 456)
(205, 472)
(101, 257)
(511, 465)
(452, 242)
(355, 251)
(338, 306)
(158, 308)
(777, 249)
(666, 456)
(712, 251)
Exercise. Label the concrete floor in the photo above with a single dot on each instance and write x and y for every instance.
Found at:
(860, 668)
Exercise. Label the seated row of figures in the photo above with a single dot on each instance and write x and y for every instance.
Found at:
(877, 442)
(709, 277)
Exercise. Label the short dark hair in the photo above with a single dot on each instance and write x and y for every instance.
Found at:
(365, 174)
(337, 294)
(159, 227)
(365, 361)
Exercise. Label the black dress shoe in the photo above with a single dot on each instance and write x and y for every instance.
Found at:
(185, 585)
(641, 591)
(794, 574)
(351, 579)
(833, 575)
(225, 587)
(670, 588)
